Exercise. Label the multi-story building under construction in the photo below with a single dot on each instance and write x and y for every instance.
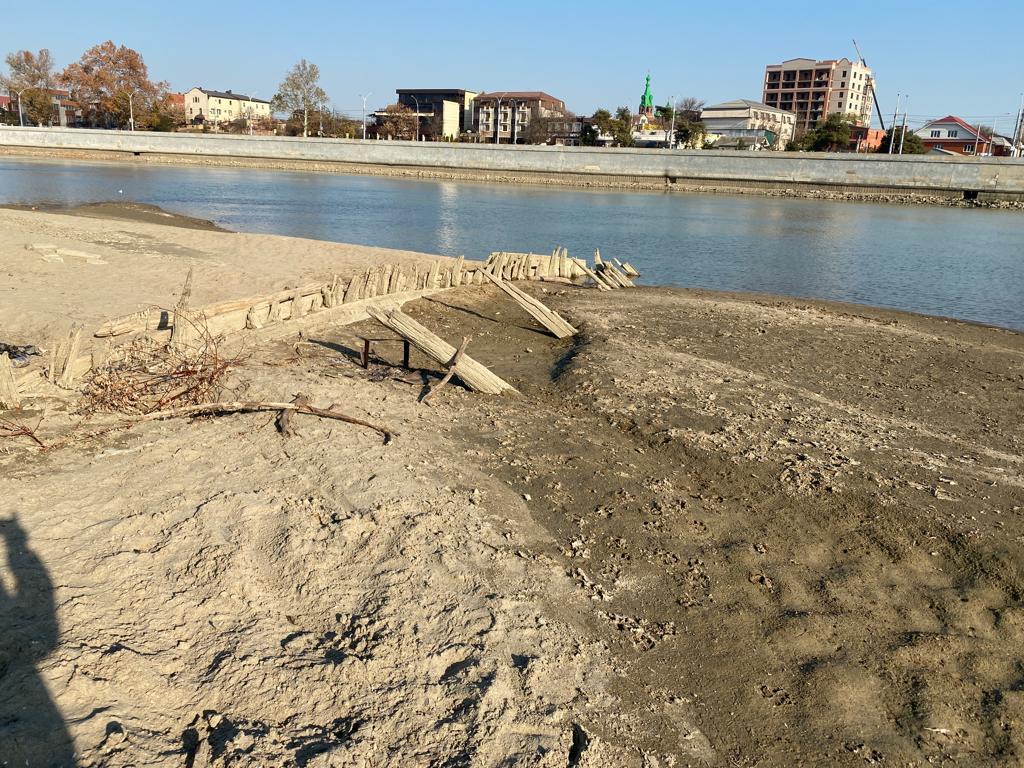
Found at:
(815, 89)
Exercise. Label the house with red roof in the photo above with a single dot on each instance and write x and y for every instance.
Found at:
(951, 135)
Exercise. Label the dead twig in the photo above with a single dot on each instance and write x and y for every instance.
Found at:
(220, 409)
(10, 428)
(451, 369)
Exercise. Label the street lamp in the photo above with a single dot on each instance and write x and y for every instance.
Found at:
(364, 98)
(512, 123)
(131, 111)
(21, 116)
(670, 139)
(250, 112)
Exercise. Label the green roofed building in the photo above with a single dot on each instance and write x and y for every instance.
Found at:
(647, 100)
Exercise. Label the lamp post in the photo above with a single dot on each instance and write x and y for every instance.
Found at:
(21, 115)
(364, 98)
(250, 112)
(497, 122)
(131, 111)
(417, 103)
(670, 139)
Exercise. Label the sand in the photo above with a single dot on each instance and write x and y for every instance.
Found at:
(711, 530)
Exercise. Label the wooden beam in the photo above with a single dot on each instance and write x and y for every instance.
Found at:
(472, 373)
(542, 314)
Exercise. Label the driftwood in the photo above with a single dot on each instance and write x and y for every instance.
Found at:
(451, 369)
(283, 422)
(220, 409)
(64, 358)
(9, 397)
(473, 374)
(629, 269)
(542, 314)
(610, 268)
(602, 285)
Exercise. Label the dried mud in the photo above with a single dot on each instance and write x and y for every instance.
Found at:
(711, 530)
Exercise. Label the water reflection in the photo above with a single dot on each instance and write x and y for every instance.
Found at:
(962, 263)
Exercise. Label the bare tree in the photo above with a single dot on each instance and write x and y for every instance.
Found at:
(31, 76)
(300, 91)
(397, 121)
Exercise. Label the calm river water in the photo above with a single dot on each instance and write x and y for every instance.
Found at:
(967, 264)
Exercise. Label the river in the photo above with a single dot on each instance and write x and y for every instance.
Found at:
(961, 263)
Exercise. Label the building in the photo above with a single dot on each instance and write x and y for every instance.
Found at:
(503, 116)
(442, 112)
(756, 123)
(65, 110)
(951, 135)
(865, 139)
(815, 89)
(647, 100)
(213, 107)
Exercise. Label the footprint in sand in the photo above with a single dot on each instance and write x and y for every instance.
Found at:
(55, 255)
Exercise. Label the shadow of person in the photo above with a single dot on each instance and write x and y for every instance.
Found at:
(32, 731)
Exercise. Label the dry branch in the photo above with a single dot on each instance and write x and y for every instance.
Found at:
(238, 406)
(451, 369)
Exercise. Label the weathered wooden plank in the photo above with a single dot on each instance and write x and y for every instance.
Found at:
(9, 397)
(598, 280)
(473, 374)
(542, 314)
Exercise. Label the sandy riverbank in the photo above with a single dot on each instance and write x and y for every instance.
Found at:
(711, 530)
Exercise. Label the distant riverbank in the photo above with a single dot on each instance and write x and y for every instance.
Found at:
(967, 181)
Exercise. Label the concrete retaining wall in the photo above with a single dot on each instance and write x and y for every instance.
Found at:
(992, 177)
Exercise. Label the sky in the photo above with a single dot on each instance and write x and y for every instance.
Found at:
(949, 57)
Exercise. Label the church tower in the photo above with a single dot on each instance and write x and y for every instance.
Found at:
(647, 100)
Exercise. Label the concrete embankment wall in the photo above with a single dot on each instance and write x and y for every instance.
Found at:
(986, 178)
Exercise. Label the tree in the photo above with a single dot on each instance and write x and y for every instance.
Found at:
(830, 134)
(690, 131)
(300, 91)
(588, 135)
(912, 144)
(112, 83)
(602, 118)
(397, 122)
(31, 76)
(332, 124)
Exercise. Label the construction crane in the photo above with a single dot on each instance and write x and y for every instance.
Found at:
(878, 109)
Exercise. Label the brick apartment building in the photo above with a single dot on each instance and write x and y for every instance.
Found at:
(815, 89)
(503, 116)
(950, 134)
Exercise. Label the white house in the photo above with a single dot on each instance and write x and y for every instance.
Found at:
(213, 107)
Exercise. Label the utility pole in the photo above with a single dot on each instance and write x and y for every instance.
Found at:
(903, 131)
(417, 103)
(131, 111)
(894, 113)
(364, 98)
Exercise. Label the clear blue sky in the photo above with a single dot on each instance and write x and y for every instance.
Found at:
(950, 57)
